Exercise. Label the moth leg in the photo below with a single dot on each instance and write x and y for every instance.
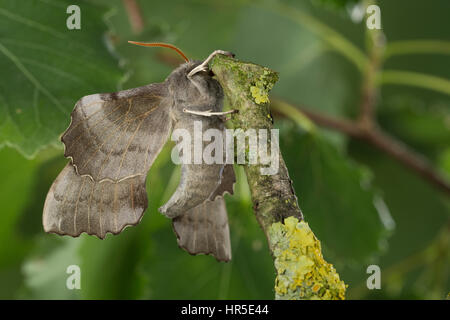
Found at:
(204, 65)
(209, 113)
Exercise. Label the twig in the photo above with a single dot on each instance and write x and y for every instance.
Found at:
(416, 46)
(367, 119)
(406, 156)
(302, 273)
(369, 89)
(341, 125)
(379, 139)
(134, 15)
(375, 43)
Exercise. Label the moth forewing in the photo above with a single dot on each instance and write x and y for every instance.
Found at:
(114, 136)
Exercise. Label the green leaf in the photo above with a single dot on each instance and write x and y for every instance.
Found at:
(45, 270)
(423, 126)
(300, 55)
(421, 214)
(195, 26)
(109, 266)
(46, 68)
(419, 211)
(16, 184)
(336, 197)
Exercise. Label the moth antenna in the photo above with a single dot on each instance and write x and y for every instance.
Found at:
(161, 44)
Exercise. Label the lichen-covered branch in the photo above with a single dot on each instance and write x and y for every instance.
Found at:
(302, 273)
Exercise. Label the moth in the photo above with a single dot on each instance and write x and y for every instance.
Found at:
(113, 140)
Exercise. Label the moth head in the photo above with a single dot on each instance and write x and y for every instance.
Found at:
(193, 79)
(192, 83)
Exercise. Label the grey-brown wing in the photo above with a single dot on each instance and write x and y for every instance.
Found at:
(204, 229)
(198, 182)
(228, 178)
(115, 136)
(76, 204)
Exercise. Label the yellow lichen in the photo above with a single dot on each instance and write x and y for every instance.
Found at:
(316, 287)
(302, 272)
(260, 90)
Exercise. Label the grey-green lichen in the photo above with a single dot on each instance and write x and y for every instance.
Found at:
(253, 80)
(302, 272)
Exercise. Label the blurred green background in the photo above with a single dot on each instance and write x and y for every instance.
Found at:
(364, 206)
